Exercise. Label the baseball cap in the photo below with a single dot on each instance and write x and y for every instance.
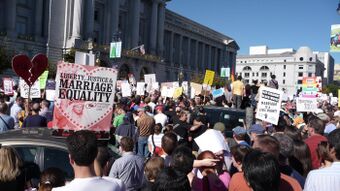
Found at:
(239, 130)
(256, 128)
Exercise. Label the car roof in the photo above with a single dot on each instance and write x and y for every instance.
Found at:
(210, 107)
(32, 136)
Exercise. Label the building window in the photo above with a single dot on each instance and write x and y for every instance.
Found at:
(310, 59)
(21, 25)
(284, 74)
(246, 75)
(241, 61)
(283, 81)
(299, 81)
(284, 61)
(253, 74)
(96, 15)
(300, 74)
(263, 74)
(257, 74)
(284, 67)
(300, 67)
(301, 58)
(246, 81)
(310, 74)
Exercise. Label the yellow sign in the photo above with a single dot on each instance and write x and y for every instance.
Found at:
(209, 77)
(178, 92)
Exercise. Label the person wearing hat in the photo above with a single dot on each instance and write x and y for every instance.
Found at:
(255, 130)
(239, 135)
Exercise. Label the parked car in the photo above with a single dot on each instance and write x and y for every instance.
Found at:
(39, 146)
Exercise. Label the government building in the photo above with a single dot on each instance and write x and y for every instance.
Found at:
(288, 65)
(154, 39)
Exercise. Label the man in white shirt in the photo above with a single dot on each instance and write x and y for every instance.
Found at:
(82, 146)
(15, 109)
(160, 117)
(327, 179)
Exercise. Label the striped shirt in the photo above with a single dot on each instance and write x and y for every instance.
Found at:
(325, 179)
(144, 124)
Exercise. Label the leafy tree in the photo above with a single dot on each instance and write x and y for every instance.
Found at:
(5, 59)
(331, 88)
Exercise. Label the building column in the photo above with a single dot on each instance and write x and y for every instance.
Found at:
(196, 55)
(209, 58)
(11, 14)
(89, 19)
(216, 68)
(189, 54)
(46, 18)
(171, 47)
(161, 20)
(77, 18)
(203, 58)
(38, 22)
(153, 26)
(135, 23)
(180, 50)
(114, 18)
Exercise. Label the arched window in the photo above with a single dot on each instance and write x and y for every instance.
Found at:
(264, 68)
(247, 68)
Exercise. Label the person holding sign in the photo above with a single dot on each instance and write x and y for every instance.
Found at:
(237, 91)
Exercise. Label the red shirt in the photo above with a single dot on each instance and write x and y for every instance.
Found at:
(312, 143)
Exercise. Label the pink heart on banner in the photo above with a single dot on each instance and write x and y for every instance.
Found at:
(27, 69)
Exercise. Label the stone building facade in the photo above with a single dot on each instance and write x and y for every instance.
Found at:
(173, 44)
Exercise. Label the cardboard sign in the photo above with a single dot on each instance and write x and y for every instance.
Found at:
(167, 91)
(140, 88)
(306, 104)
(185, 85)
(218, 92)
(50, 85)
(309, 87)
(43, 79)
(24, 88)
(8, 84)
(84, 99)
(149, 80)
(126, 89)
(115, 49)
(209, 77)
(155, 86)
(269, 105)
(196, 87)
(225, 72)
(211, 140)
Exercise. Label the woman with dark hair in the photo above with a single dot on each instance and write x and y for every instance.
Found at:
(170, 180)
(323, 154)
(238, 153)
(261, 171)
(302, 154)
(151, 170)
(293, 133)
(51, 178)
(155, 140)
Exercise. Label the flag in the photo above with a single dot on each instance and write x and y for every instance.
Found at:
(232, 73)
(142, 49)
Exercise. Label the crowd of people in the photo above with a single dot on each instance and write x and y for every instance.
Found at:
(171, 144)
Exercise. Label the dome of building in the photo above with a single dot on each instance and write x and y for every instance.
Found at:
(305, 54)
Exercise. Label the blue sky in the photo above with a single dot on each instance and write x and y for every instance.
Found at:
(275, 23)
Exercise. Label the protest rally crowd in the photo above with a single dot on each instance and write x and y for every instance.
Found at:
(171, 144)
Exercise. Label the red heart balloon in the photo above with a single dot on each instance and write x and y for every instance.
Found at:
(29, 70)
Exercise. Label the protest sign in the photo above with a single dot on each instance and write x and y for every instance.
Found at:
(43, 79)
(167, 91)
(211, 140)
(119, 84)
(24, 89)
(8, 86)
(197, 88)
(306, 104)
(115, 49)
(149, 79)
(335, 38)
(338, 97)
(84, 99)
(178, 92)
(155, 86)
(126, 89)
(140, 88)
(50, 84)
(185, 85)
(268, 107)
(218, 92)
(50, 95)
(209, 77)
(309, 87)
(225, 72)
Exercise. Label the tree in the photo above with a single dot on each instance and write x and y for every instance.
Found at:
(331, 88)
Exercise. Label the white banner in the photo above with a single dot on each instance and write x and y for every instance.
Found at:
(126, 89)
(140, 88)
(149, 80)
(50, 95)
(269, 105)
(8, 84)
(306, 104)
(35, 89)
